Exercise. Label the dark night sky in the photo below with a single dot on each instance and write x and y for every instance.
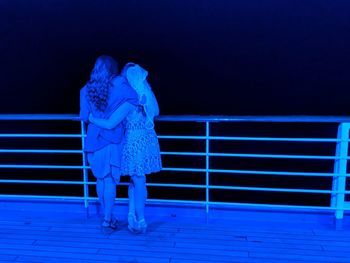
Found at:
(204, 56)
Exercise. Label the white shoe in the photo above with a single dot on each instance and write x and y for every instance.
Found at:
(142, 226)
(132, 223)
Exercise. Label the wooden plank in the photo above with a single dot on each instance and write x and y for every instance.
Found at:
(297, 252)
(66, 257)
(7, 258)
(230, 229)
(240, 260)
(332, 232)
(100, 260)
(24, 227)
(303, 258)
(20, 247)
(246, 245)
(122, 239)
(107, 244)
(172, 251)
(50, 260)
(53, 233)
(16, 240)
(331, 247)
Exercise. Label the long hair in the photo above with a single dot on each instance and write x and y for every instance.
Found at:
(100, 82)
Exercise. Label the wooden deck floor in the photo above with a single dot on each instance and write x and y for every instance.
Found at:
(68, 237)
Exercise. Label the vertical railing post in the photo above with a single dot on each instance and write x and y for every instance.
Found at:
(340, 167)
(85, 170)
(207, 179)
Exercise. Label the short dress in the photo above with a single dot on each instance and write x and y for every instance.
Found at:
(141, 153)
(102, 161)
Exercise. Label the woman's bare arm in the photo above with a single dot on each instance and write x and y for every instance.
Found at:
(117, 117)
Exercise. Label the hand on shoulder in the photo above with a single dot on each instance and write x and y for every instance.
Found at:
(143, 99)
(91, 118)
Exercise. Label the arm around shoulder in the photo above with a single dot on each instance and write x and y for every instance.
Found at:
(117, 117)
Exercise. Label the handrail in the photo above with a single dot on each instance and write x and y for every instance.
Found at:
(191, 118)
(286, 119)
(39, 117)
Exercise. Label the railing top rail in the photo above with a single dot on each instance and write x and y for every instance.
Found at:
(38, 117)
(195, 118)
(223, 118)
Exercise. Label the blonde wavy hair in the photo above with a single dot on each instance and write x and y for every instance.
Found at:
(105, 69)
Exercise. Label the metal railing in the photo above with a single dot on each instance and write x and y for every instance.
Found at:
(337, 191)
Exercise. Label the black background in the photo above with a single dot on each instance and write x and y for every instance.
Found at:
(204, 56)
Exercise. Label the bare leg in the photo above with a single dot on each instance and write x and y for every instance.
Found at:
(131, 194)
(109, 197)
(140, 195)
(140, 200)
(100, 189)
(131, 216)
(116, 178)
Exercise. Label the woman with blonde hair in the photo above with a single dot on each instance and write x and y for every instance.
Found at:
(141, 153)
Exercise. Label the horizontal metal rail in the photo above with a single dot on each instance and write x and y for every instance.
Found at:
(337, 193)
